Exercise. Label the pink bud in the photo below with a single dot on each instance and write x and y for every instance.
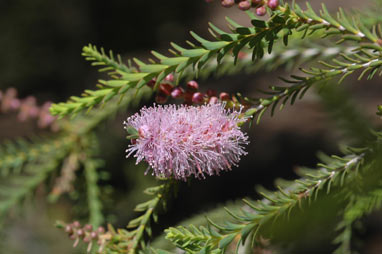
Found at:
(273, 4)
(80, 232)
(213, 100)
(165, 89)
(169, 77)
(93, 235)
(101, 230)
(88, 227)
(197, 97)
(14, 104)
(68, 229)
(177, 92)
(10, 102)
(244, 5)
(192, 85)
(261, 11)
(33, 112)
(45, 119)
(28, 109)
(228, 3)
(76, 224)
(224, 96)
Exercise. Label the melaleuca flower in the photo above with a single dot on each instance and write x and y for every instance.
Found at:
(180, 141)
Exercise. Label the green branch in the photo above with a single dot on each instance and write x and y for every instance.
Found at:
(106, 62)
(283, 22)
(93, 192)
(16, 187)
(273, 206)
(15, 155)
(280, 57)
(367, 63)
(132, 241)
(353, 175)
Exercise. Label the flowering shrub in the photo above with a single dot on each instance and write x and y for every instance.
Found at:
(199, 134)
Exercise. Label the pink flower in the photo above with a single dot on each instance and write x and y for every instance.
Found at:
(181, 141)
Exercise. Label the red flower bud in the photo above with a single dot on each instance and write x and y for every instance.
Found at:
(224, 96)
(192, 85)
(101, 230)
(261, 11)
(88, 227)
(93, 235)
(177, 92)
(273, 4)
(213, 100)
(165, 89)
(228, 3)
(80, 232)
(68, 229)
(14, 104)
(76, 224)
(244, 5)
(169, 77)
(197, 97)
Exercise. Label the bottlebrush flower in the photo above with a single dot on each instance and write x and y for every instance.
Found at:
(180, 141)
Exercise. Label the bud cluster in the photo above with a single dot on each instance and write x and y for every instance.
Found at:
(244, 5)
(190, 94)
(86, 233)
(27, 109)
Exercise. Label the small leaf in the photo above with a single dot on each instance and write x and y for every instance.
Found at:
(132, 131)
(223, 243)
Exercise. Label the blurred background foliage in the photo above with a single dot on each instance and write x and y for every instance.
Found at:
(40, 46)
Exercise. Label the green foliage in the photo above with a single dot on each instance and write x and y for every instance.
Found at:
(344, 173)
(297, 53)
(274, 206)
(365, 61)
(26, 165)
(93, 191)
(107, 62)
(132, 241)
(358, 206)
(262, 35)
(14, 155)
(346, 115)
(15, 187)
